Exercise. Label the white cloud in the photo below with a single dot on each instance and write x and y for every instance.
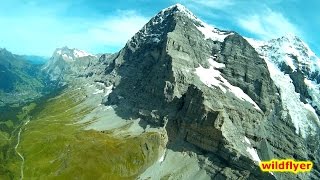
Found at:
(117, 30)
(268, 24)
(40, 35)
(107, 35)
(215, 4)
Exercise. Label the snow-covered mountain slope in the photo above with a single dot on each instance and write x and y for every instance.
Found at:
(292, 51)
(294, 69)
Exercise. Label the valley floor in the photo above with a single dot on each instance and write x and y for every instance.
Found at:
(72, 136)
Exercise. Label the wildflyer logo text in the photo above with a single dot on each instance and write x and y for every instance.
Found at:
(288, 165)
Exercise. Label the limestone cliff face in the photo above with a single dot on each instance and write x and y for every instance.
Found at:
(212, 92)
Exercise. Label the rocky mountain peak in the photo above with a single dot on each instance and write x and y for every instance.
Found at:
(168, 20)
(67, 61)
(4, 52)
(179, 8)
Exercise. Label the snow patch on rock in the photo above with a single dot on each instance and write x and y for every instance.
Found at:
(67, 57)
(161, 159)
(108, 90)
(252, 152)
(212, 33)
(98, 91)
(80, 53)
(213, 78)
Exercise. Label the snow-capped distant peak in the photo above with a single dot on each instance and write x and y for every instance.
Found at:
(71, 54)
(290, 50)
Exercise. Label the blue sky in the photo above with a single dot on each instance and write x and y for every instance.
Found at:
(39, 26)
